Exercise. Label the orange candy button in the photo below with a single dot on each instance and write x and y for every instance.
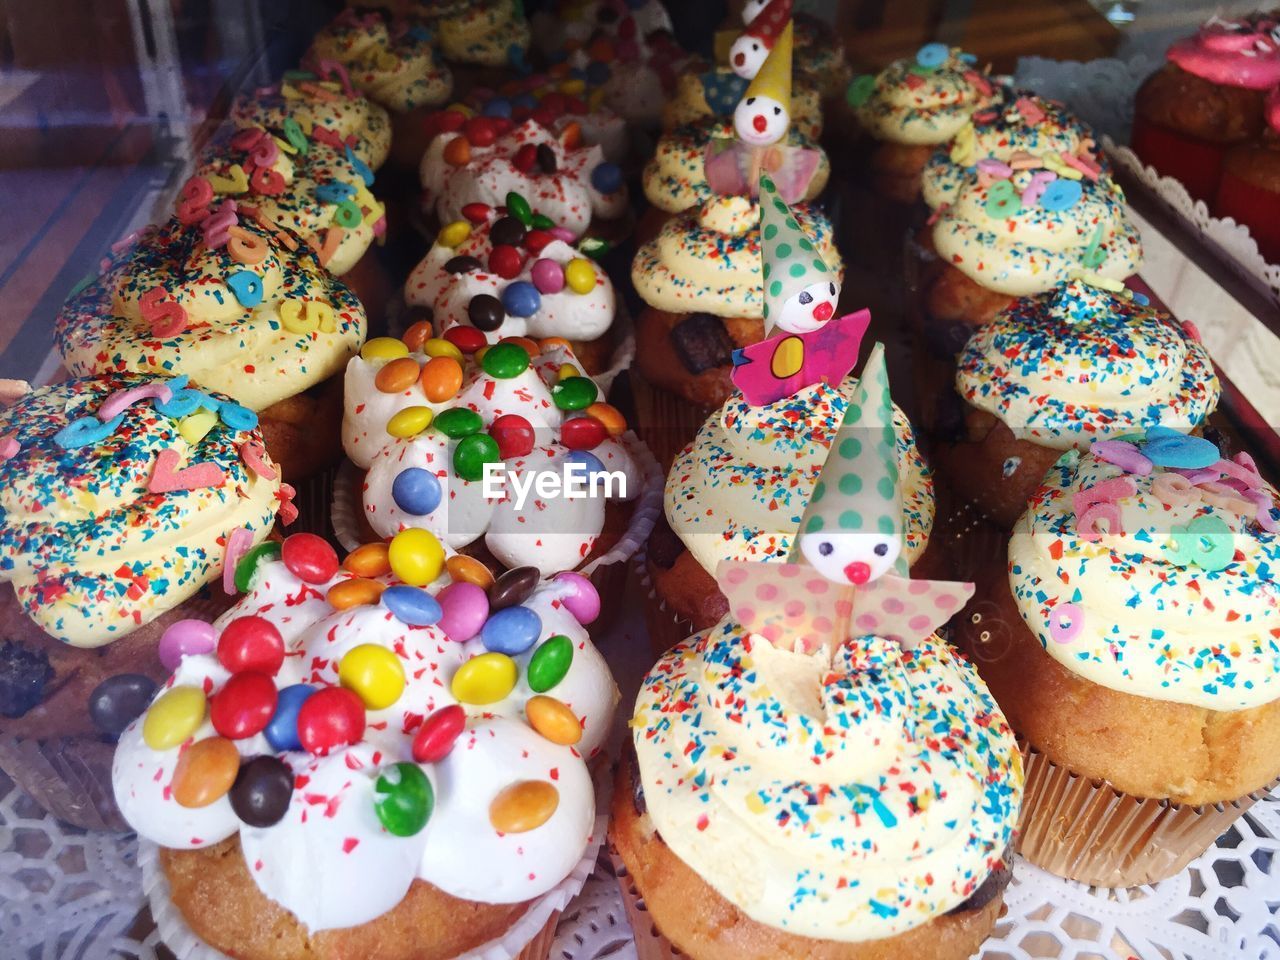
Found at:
(369, 560)
(550, 343)
(397, 376)
(551, 718)
(205, 771)
(463, 569)
(354, 593)
(441, 379)
(523, 806)
(610, 416)
(457, 152)
(417, 334)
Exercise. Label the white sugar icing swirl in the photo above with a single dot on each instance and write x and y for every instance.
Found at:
(850, 800)
(329, 861)
(566, 313)
(1034, 249)
(918, 108)
(739, 490)
(1146, 623)
(567, 195)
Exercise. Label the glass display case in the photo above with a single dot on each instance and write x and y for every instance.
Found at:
(116, 116)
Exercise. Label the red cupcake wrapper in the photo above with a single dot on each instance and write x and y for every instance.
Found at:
(1256, 208)
(1197, 164)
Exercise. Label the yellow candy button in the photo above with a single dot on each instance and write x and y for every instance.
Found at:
(384, 348)
(580, 275)
(439, 347)
(374, 674)
(566, 371)
(485, 679)
(410, 421)
(195, 427)
(174, 717)
(416, 556)
(454, 234)
(553, 720)
(523, 806)
(610, 416)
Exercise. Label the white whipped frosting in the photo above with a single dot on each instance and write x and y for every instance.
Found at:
(567, 196)
(329, 861)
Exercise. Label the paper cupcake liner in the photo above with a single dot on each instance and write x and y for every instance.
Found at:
(665, 628)
(1256, 208)
(607, 572)
(650, 944)
(1089, 831)
(529, 938)
(1197, 164)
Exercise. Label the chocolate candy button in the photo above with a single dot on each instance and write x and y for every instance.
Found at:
(513, 587)
(261, 792)
(117, 701)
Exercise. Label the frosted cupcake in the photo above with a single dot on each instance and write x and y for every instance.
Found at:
(569, 183)
(234, 302)
(483, 40)
(321, 194)
(391, 61)
(303, 103)
(912, 107)
(425, 745)
(1133, 646)
(428, 425)
(496, 277)
(820, 723)
(123, 498)
(1062, 370)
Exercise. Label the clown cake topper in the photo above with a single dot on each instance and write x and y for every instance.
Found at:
(761, 122)
(850, 536)
(750, 51)
(804, 345)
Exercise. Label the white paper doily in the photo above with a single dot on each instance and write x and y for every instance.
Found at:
(1101, 92)
(67, 894)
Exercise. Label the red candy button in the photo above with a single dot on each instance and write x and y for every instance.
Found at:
(535, 240)
(525, 158)
(436, 736)
(332, 717)
(506, 261)
(514, 435)
(476, 212)
(480, 131)
(251, 645)
(466, 339)
(309, 558)
(244, 706)
(582, 433)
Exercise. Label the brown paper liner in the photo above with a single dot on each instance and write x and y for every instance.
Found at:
(1089, 831)
(650, 944)
(539, 948)
(664, 421)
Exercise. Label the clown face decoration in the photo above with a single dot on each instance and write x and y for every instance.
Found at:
(852, 558)
(752, 9)
(747, 56)
(809, 309)
(760, 121)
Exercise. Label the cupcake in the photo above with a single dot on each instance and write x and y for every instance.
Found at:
(1059, 371)
(820, 55)
(430, 750)
(835, 747)
(566, 181)
(236, 303)
(125, 496)
(911, 108)
(1206, 99)
(301, 104)
(1019, 231)
(496, 278)
(452, 442)
(392, 62)
(703, 284)
(484, 40)
(715, 91)
(321, 194)
(1133, 648)
(1249, 192)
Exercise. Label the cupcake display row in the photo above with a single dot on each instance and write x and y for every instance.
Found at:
(314, 554)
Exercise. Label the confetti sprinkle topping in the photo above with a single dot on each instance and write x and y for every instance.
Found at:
(1184, 605)
(916, 104)
(1078, 364)
(867, 795)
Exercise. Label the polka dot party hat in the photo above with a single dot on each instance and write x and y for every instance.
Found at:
(791, 260)
(857, 501)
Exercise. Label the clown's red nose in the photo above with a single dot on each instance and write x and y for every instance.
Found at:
(858, 573)
(739, 59)
(823, 311)
(760, 123)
